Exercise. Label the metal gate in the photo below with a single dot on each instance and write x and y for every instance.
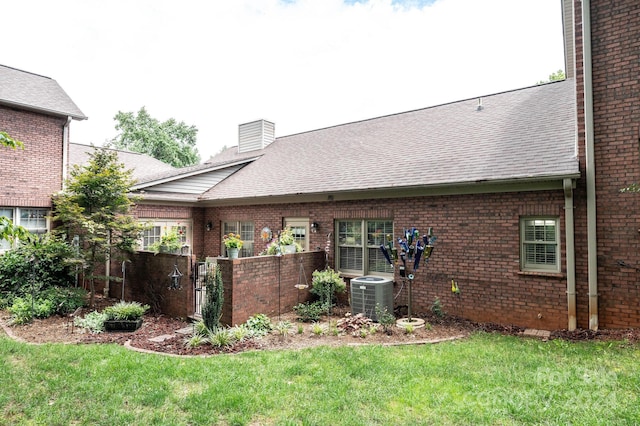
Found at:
(201, 270)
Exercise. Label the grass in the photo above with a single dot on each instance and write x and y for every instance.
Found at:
(486, 379)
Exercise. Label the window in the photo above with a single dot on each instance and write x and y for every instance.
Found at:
(300, 229)
(540, 250)
(246, 231)
(4, 244)
(33, 220)
(358, 247)
(157, 228)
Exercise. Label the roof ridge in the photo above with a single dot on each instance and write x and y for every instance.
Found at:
(422, 109)
(26, 72)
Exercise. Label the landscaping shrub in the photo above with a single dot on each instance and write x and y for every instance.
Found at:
(212, 309)
(310, 311)
(259, 324)
(93, 321)
(37, 264)
(326, 284)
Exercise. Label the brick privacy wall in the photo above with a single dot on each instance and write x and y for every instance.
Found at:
(478, 246)
(147, 281)
(616, 91)
(265, 284)
(31, 175)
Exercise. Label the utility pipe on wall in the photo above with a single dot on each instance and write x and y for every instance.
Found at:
(65, 150)
(571, 253)
(592, 248)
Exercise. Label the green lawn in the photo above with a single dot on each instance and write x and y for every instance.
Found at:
(486, 379)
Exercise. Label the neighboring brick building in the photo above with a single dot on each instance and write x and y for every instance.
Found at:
(35, 110)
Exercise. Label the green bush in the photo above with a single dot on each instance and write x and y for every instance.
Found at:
(36, 264)
(65, 299)
(124, 311)
(259, 324)
(310, 311)
(93, 321)
(24, 309)
(326, 284)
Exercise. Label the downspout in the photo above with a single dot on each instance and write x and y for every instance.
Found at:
(65, 151)
(571, 253)
(592, 248)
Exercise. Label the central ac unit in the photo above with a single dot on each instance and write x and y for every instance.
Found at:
(369, 291)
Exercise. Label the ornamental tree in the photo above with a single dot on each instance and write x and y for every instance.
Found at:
(95, 206)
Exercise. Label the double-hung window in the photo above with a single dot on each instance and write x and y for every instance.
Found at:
(358, 247)
(246, 232)
(540, 244)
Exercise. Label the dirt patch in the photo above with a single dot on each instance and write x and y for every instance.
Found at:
(301, 335)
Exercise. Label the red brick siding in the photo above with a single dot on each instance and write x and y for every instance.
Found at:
(193, 214)
(478, 246)
(616, 92)
(31, 175)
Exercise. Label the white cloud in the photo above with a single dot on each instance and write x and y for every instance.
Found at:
(302, 64)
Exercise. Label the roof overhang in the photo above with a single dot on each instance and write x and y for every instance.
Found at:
(45, 111)
(544, 183)
(178, 175)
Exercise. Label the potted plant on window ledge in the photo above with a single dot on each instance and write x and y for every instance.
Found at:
(168, 243)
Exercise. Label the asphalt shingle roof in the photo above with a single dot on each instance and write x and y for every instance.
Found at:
(526, 134)
(35, 92)
(142, 165)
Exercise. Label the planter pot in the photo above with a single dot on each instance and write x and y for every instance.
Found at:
(122, 325)
(291, 248)
(233, 253)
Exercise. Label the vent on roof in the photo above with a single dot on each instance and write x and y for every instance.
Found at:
(255, 135)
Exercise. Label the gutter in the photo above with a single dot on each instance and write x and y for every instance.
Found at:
(65, 151)
(571, 254)
(592, 248)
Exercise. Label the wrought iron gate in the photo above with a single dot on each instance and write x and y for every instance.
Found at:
(201, 270)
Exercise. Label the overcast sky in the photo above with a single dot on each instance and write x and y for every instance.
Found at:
(302, 64)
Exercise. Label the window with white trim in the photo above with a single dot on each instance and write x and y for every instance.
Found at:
(540, 244)
(34, 220)
(156, 228)
(358, 247)
(246, 232)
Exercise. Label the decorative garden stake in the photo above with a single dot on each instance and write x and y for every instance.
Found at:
(412, 248)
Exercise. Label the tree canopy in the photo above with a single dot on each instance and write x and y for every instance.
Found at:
(555, 76)
(96, 207)
(170, 141)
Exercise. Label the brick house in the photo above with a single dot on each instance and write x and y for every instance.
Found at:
(37, 111)
(522, 189)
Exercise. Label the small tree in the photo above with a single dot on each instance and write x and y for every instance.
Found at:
(96, 207)
(212, 309)
(326, 284)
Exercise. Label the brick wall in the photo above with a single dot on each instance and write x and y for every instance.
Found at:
(265, 284)
(616, 92)
(147, 281)
(478, 246)
(31, 175)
